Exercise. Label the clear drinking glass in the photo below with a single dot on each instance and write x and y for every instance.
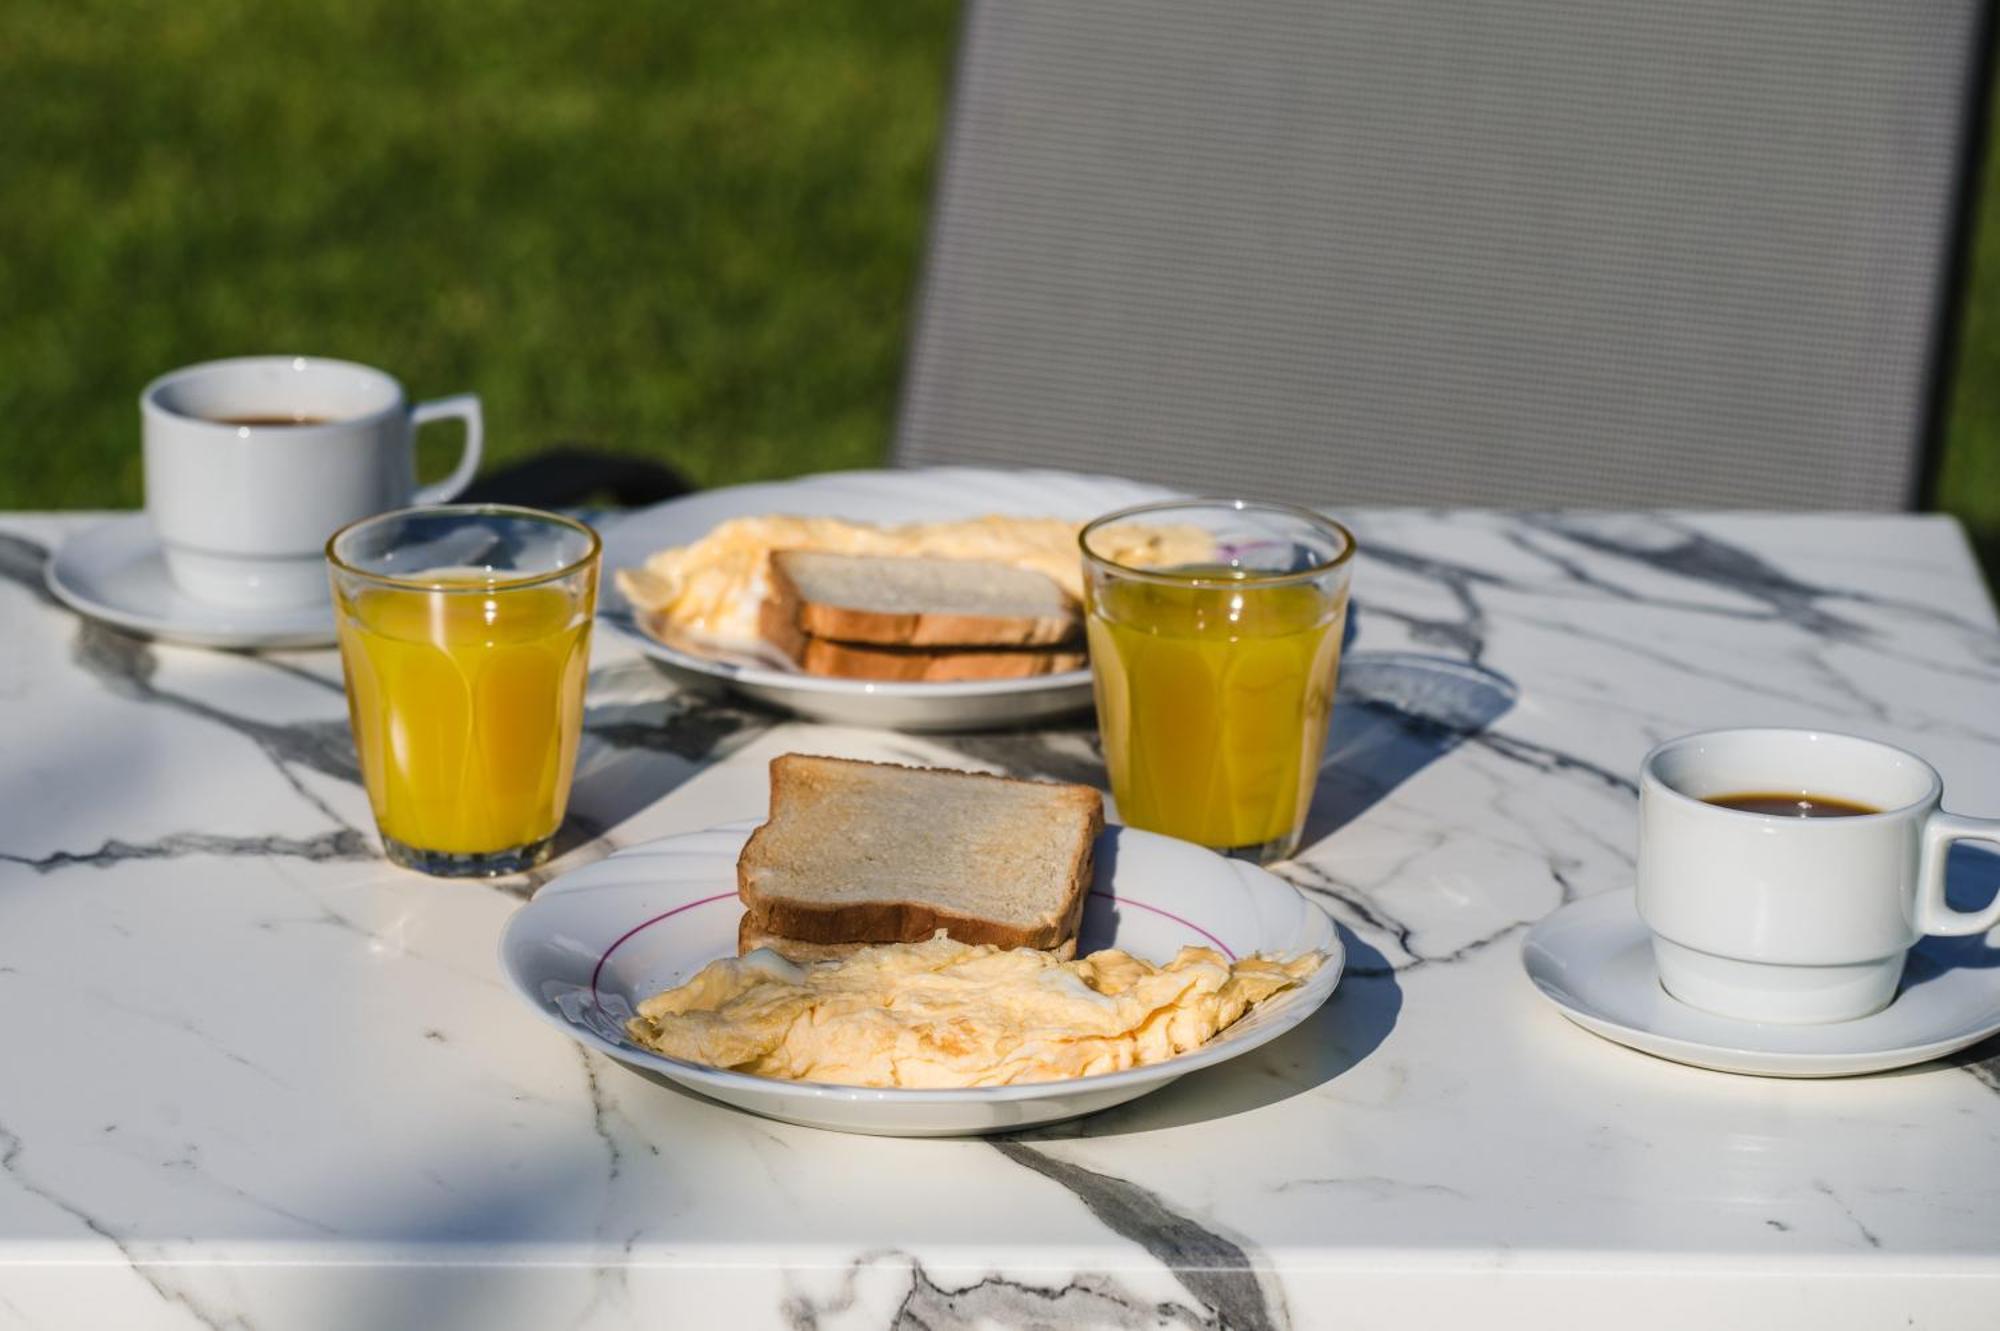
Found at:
(1214, 670)
(465, 635)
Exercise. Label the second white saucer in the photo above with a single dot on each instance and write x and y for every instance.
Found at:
(1593, 959)
(114, 571)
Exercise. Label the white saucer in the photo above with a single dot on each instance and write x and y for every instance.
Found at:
(1594, 960)
(596, 941)
(114, 572)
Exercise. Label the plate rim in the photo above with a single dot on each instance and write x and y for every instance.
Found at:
(613, 610)
(1741, 1058)
(1318, 989)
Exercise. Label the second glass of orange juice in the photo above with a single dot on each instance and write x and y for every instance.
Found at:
(1215, 678)
(465, 636)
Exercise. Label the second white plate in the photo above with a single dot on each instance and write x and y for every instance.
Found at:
(595, 943)
(929, 495)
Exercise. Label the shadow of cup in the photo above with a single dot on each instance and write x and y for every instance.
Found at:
(1972, 877)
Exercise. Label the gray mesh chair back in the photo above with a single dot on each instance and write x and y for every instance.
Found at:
(1588, 252)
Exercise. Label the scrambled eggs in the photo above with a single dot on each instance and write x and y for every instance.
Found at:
(710, 591)
(942, 1013)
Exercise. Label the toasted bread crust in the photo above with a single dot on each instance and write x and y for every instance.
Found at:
(749, 937)
(819, 656)
(901, 922)
(931, 629)
(890, 921)
(849, 624)
(778, 621)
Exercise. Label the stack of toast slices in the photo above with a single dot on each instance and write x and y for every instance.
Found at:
(858, 853)
(913, 619)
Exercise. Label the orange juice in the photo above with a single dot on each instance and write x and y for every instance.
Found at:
(467, 708)
(1213, 701)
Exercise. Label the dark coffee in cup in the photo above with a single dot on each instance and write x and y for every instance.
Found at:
(1791, 804)
(264, 421)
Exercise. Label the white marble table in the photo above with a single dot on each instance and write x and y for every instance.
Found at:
(253, 1077)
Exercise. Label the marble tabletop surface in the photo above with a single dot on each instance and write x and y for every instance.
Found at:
(251, 1076)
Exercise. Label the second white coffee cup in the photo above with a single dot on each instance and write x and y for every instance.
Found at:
(1770, 917)
(252, 463)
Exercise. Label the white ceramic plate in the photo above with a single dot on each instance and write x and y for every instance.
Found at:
(596, 942)
(114, 571)
(1594, 960)
(930, 495)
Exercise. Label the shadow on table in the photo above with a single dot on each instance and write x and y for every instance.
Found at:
(516, 1213)
(636, 753)
(1394, 715)
(1972, 876)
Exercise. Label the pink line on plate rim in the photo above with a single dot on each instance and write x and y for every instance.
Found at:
(1220, 946)
(625, 937)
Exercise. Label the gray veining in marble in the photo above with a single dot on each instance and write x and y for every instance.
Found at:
(257, 1078)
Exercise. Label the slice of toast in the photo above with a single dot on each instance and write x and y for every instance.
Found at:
(876, 853)
(920, 602)
(749, 938)
(932, 665)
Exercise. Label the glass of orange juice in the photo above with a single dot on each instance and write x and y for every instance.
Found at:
(465, 635)
(1214, 678)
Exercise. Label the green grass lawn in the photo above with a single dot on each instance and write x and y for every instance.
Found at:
(685, 230)
(1969, 481)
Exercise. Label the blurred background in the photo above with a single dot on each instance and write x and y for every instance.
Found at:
(687, 232)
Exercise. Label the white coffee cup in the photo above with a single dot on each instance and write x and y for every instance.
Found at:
(1787, 919)
(244, 511)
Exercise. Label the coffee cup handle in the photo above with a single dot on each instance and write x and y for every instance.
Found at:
(460, 406)
(1933, 915)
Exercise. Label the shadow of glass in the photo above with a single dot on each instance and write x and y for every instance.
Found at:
(1395, 714)
(1351, 1025)
(546, 1201)
(634, 754)
(1972, 877)
(1061, 750)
